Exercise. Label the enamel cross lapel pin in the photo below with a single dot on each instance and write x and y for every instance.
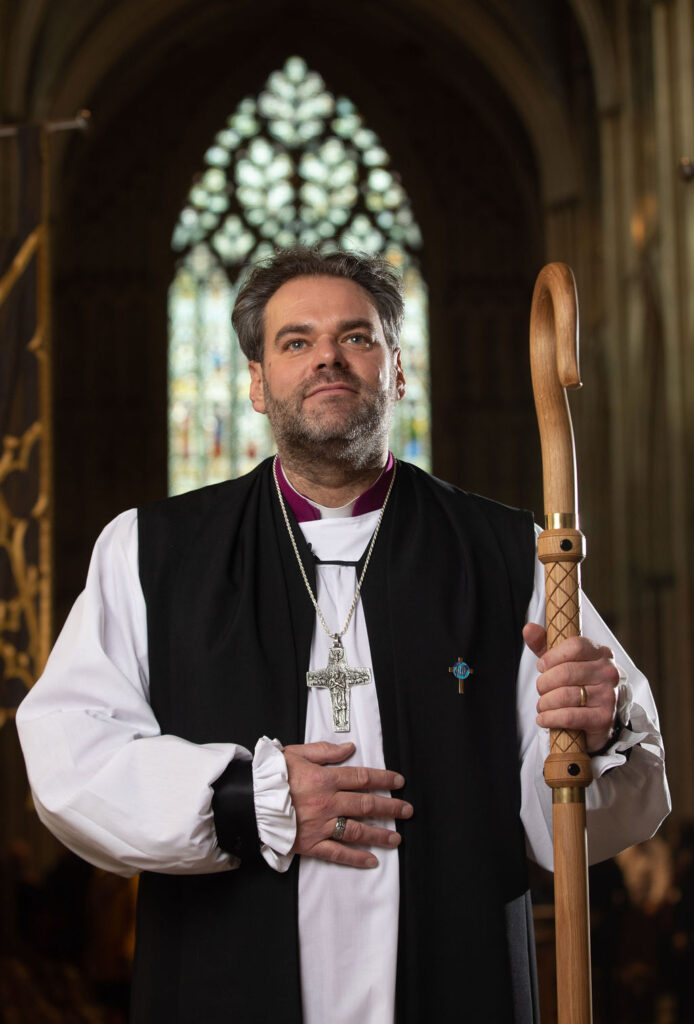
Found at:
(461, 670)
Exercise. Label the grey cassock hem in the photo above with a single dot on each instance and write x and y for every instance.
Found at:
(520, 936)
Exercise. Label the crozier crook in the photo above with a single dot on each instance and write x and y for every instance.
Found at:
(554, 366)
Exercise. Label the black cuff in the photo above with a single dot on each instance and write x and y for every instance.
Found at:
(233, 807)
(617, 731)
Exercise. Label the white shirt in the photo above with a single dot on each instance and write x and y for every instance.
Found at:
(130, 806)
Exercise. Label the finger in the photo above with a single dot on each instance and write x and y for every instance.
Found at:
(588, 720)
(535, 637)
(576, 648)
(369, 805)
(341, 853)
(363, 834)
(358, 777)
(322, 752)
(570, 697)
(579, 673)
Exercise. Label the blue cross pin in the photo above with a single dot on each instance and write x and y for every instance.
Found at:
(461, 670)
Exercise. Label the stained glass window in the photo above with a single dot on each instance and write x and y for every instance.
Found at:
(294, 165)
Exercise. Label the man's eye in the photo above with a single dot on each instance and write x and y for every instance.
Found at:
(295, 344)
(358, 339)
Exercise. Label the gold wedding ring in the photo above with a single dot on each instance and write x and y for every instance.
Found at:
(584, 697)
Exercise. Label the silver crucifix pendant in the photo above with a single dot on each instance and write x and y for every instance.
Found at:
(338, 677)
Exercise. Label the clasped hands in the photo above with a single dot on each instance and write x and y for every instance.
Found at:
(323, 789)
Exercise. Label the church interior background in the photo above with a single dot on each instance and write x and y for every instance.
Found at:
(471, 142)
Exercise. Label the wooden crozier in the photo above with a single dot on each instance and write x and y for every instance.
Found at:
(554, 365)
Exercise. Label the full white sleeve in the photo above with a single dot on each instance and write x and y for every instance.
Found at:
(105, 780)
(628, 797)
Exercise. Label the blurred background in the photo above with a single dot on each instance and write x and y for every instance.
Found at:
(470, 142)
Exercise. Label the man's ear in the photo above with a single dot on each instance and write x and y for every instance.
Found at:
(399, 376)
(255, 391)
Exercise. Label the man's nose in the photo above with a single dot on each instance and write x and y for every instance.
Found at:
(329, 352)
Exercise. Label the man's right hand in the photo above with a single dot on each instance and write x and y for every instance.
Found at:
(322, 790)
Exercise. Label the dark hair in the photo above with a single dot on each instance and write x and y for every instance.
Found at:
(373, 273)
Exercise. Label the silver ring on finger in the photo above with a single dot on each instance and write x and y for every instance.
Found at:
(584, 697)
(339, 830)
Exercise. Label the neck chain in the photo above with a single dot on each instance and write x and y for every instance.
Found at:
(338, 677)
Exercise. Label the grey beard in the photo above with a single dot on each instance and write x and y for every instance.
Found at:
(354, 440)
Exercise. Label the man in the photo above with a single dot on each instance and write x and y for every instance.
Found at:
(409, 802)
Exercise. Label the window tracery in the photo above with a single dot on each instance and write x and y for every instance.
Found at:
(294, 165)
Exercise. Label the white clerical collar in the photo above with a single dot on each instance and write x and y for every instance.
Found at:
(305, 510)
(344, 512)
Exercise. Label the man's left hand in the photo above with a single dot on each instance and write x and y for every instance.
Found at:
(572, 664)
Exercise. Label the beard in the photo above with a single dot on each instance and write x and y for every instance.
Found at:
(348, 431)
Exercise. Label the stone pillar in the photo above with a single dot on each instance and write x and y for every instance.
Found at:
(673, 64)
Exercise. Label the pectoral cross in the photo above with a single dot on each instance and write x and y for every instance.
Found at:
(338, 677)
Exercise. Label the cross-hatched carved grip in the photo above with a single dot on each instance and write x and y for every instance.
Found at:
(567, 741)
(563, 617)
(563, 614)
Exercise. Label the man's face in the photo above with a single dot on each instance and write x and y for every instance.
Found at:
(328, 380)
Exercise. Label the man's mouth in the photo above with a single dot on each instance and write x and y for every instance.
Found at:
(335, 388)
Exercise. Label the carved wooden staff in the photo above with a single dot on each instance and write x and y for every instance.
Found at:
(554, 365)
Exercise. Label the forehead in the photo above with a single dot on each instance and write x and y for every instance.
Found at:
(318, 302)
